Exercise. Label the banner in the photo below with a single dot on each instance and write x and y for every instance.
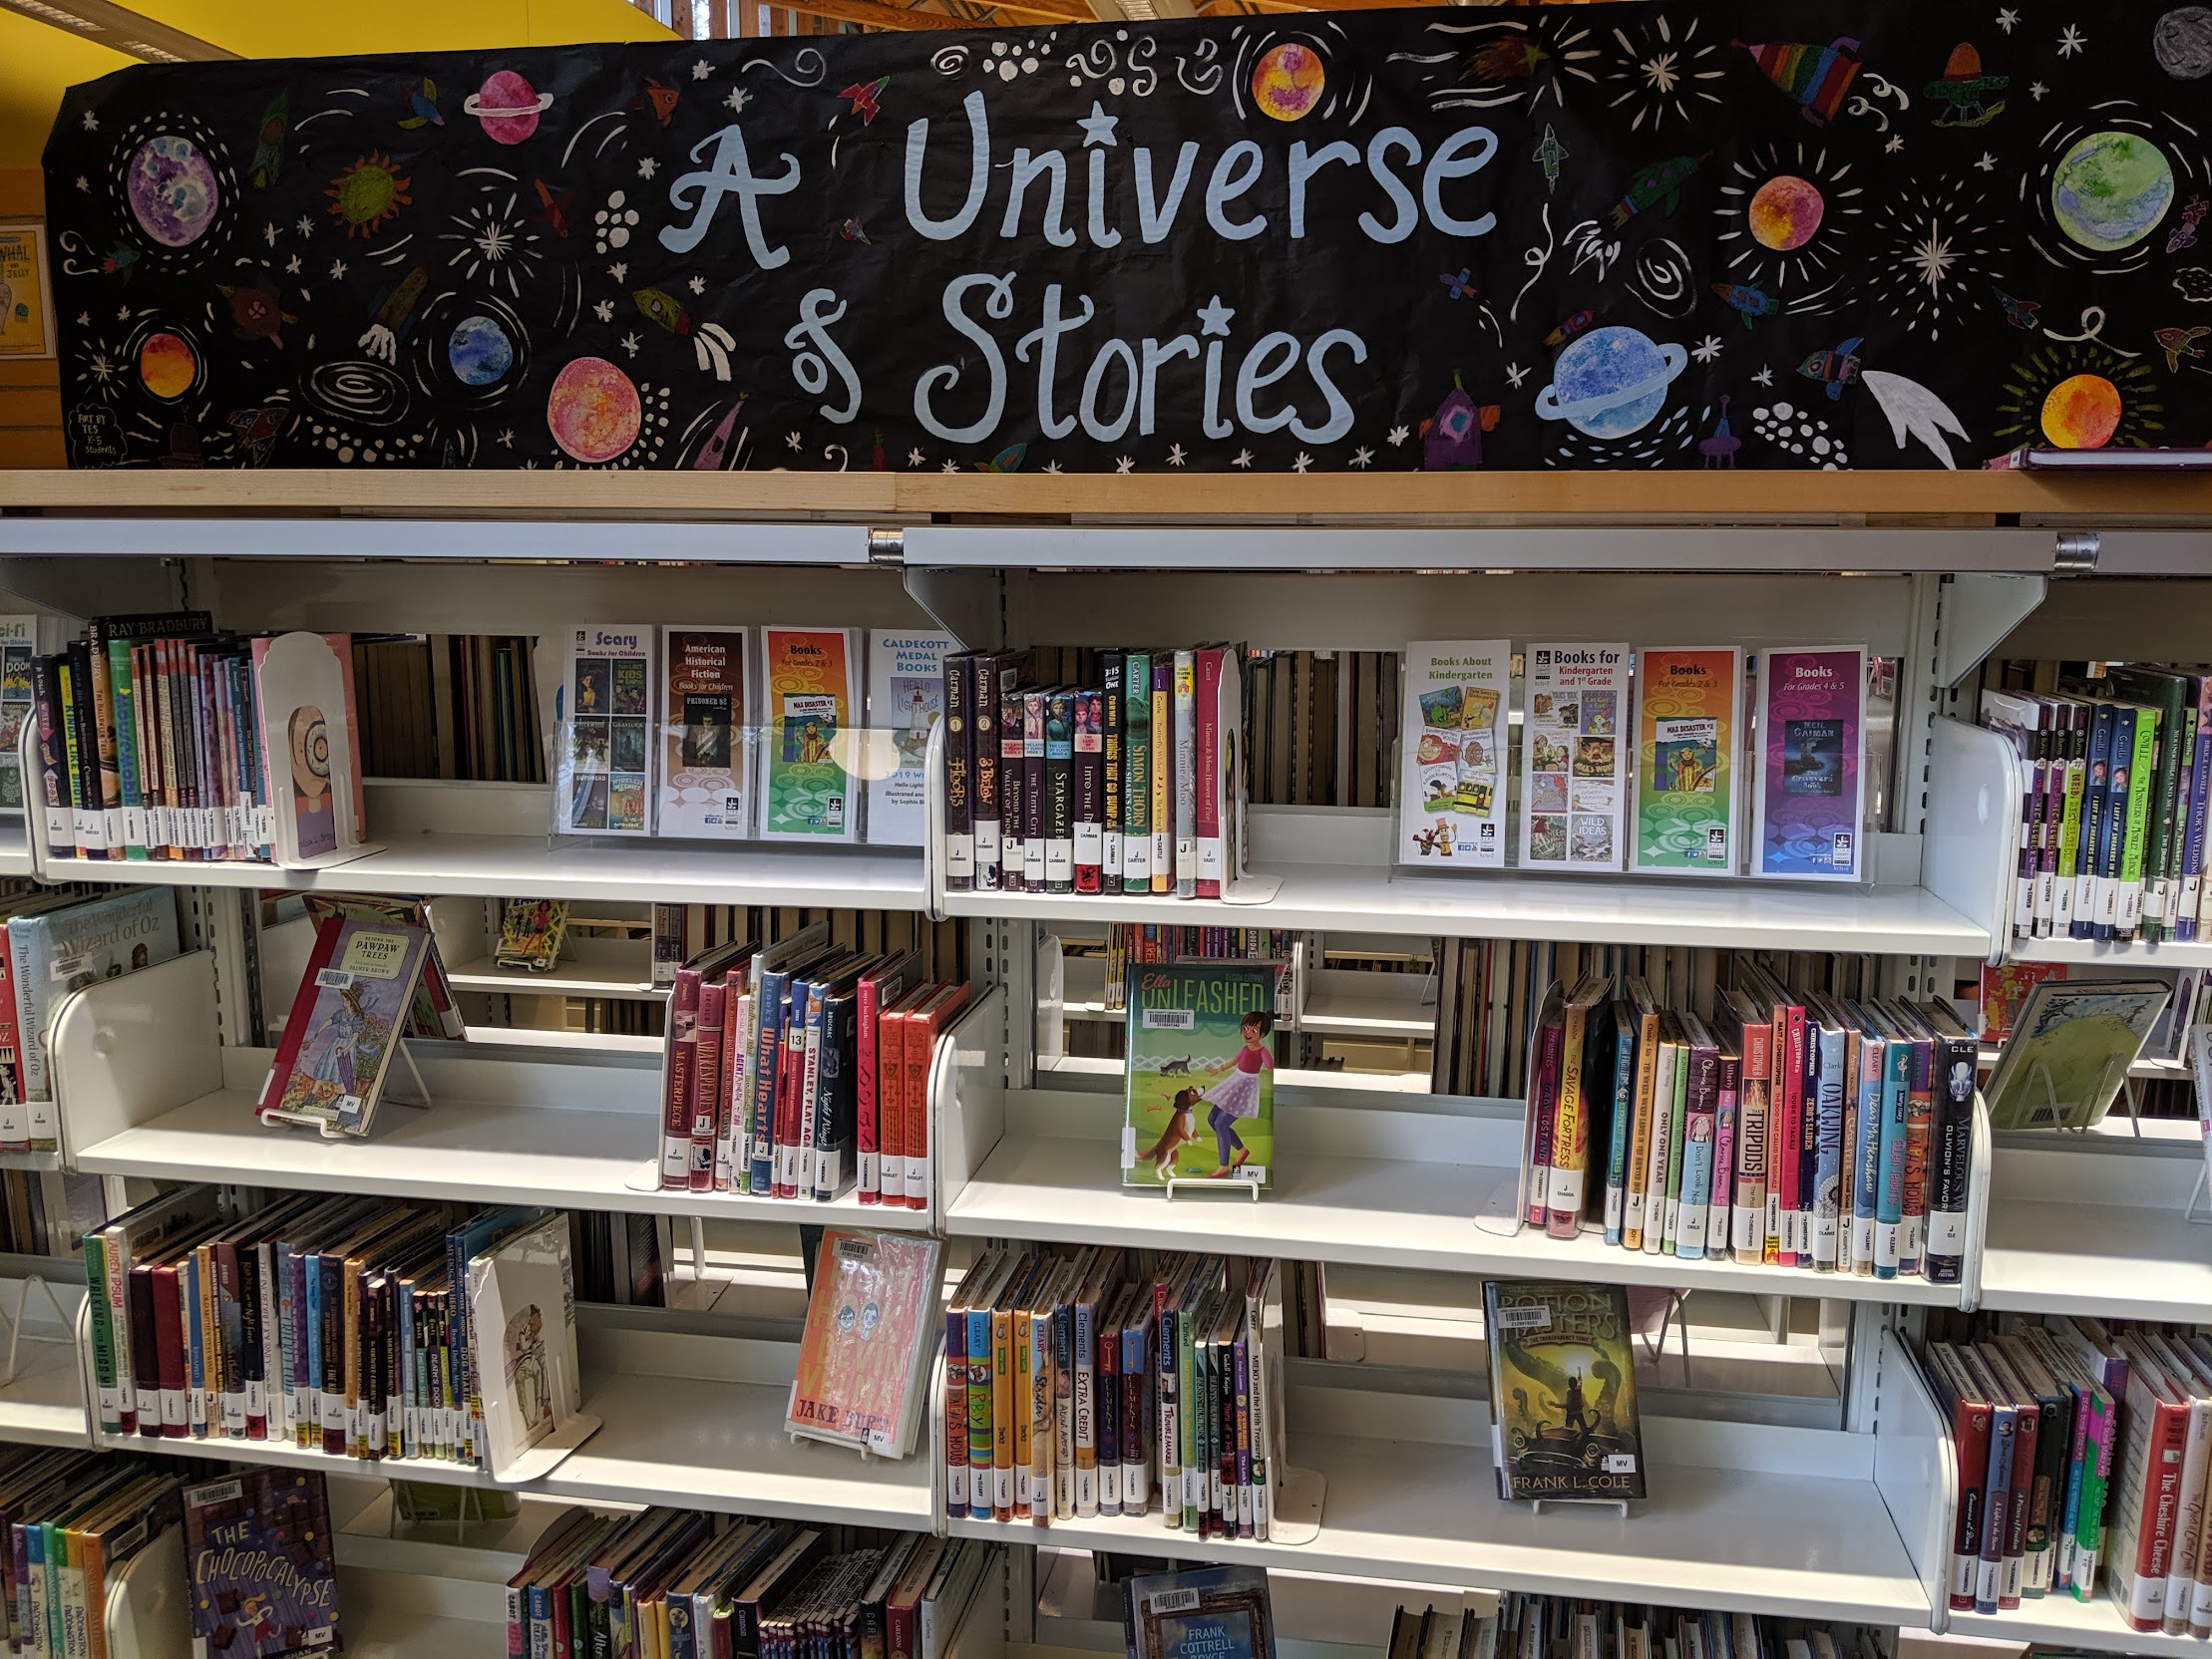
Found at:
(1615, 235)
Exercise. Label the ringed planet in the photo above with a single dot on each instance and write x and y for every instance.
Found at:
(166, 365)
(593, 411)
(2081, 411)
(1786, 213)
(507, 107)
(1286, 82)
(1610, 382)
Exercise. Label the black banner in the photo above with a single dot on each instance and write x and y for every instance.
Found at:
(1580, 236)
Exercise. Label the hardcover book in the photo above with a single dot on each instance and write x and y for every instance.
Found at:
(346, 1022)
(905, 698)
(18, 644)
(1689, 712)
(1574, 771)
(813, 694)
(604, 714)
(705, 748)
(1199, 1080)
(265, 1574)
(1452, 765)
(1562, 1391)
(2070, 1052)
(532, 932)
(872, 1318)
(1199, 1613)
(1811, 791)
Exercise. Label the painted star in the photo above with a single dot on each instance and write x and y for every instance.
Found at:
(701, 70)
(1175, 455)
(738, 98)
(1399, 434)
(291, 265)
(1765, 376)
(913, 457)
(83, 319)
(1988, 163)
(1243, 458)
(1363, 456)
(123, 313)
(1303, 461)
(698, 285)
(631, 343)
(1098, 127)
(1124, 463)
(337, 270)
(647, 166)
(2038, 92)
(83, 183)
(2006, 18)
(92, 122)
(2071, 40)
(506, 439)
(304, 226)
(618, 271)
(790, 441)
(1515, 373)
(1213, 317)
(604, 311)
(1897, 143)
(1051, 469)
(269, 234)
(951, 468)
(1707, 349)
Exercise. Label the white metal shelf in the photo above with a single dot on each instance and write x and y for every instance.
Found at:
(2129, 953)
(468, 540)
(570, 978)
(2060, 1621)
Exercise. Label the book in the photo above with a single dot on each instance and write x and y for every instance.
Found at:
(811, 679)
(1689, 720)
(1809, 802)
(1199, 1613)
(1562, 1391)
(1452, 756)
(18, 644)
(522, 1311)
(58, 949)
(905, 699)
(1198, 1049)
(345, 1026)
(872, 1322)
(603, 711)
(707, 739)
(262, 1564)
(532, 932)
(1573, 763)
(2070, 1052)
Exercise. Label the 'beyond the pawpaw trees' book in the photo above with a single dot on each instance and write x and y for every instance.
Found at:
(1199, 1086)
(1563, 1390)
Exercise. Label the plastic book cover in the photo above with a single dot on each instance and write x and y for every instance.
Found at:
(1199, 1086)
(1563, 1390)
(1812, 763)
(811, 680)
(1689, 712)
(303, 691)
(263, 1568)
(55, 952)
(1574, 771)
(532, 932)
(872, 1320)
(1199, 1613)
(342, 1033)
(2070, 1050)
(905, 699)
(1452, 765)
(604, 714)
(18, 644)
(707, 749)
(522, 1312)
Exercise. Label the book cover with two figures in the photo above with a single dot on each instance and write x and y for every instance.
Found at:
(1452, 784)
(1200, 1079)
(1562, 1391)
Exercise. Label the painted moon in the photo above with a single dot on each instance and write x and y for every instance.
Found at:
(2110, 190)
(507, 107)
(1610, 382)
(166, 365)
(170, 187)
(479, 351)
(1785, 214)
(2181, 41)
(593, 411)
(1286, 81)
(2081, 411)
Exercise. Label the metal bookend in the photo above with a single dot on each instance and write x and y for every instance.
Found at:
(65, 1324)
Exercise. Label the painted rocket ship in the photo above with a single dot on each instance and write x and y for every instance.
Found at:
(1817, 77)
(1451, 439)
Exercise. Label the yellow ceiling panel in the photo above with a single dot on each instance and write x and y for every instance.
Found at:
(36, 62)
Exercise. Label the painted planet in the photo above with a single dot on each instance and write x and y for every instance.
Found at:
(2110, 190)
(171, 185)
(1610, 382)
(478, 350)
(1286, 81)
(594, 410)
(1784, 212)
(507, 107)
(2081, 411)
(166, 365)
(2181, 41)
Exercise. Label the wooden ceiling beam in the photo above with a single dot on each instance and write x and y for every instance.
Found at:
(874, 14)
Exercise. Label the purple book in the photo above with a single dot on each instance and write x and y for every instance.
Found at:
(1812, 776)
(264, 1581)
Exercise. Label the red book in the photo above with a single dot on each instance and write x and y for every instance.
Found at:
(880, 990)
(169, 1351)
(1958, 1397)
(924, 1025)
(790, 1082)
(1207, 762)
(2148, 1496)
(706, 1078)
(676, 1083)
(297, 1021)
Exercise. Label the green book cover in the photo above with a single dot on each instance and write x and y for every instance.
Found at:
(1136, 704)
(123, 691)
(1563, 1388)
(2166, 693)
(1199, 1080)
(2070, 1050)
(2141, 773)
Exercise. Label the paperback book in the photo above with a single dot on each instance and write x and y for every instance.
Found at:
(1574, 771)
(1811, 792)
(1199, 1080)
(872, 1321)
(1199, 1613)
(905, 699)
(1688, 705)
(2068, 1054)
(604, 785)
(705, 750)
(18, 645)
(262, 1558)
(813, 695)
(346, 1024)
(1452, 764)
(532, 932)
(1562, 1391)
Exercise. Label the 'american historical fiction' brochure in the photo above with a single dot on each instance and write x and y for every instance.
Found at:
(812, 676)
(1573, 759)
(1812, 763)
(1452, 772)
(1200, 1087)
(1563, 1390)
(1688, 714)
(604, 787)
(705, 753)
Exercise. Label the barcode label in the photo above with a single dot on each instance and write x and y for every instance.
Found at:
(1175, 1601)
(1169, 1019)
(333, 979)
(65, 966)
(1532, 1317)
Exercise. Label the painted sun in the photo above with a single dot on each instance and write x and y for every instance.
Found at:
(368, 194)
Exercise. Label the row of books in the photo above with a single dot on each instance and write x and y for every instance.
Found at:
(797, 1068)
(2117, 777)
(2081, 1446)
(454, 706)
(1084, 1384)
(682, 931)
(815, 735)
(1132, 783)
(1139, 943)
(158, 737)
(663, 1583)
(1544, 1625)
(1633, 758)
(345, 1324)
(1791, 1126)
(72, 1521)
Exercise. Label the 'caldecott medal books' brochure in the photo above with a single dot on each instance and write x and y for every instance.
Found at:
(1201, 1073)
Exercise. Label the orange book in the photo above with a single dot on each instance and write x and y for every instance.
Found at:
(860, 1381)
(891, 1092)
(923, 1023)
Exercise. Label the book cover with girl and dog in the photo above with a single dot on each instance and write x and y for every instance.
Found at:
(1201, 1073)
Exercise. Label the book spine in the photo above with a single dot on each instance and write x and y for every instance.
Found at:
(49, 755)
(1003, 1414)
(978, 1413)
(1207, 738)
(1620, 1129)
(2069, 865)
(1085, 1345)
(1136, 1381)
(1034, 837)
(1955, 1062)
(1637, 1185)
(985, 782)
(1748, 1224)
(1719, 1208)
(1988, 1569)
(123, 695)
(1063, 1411)
(706, 1080)
(1113, 665)
(1865, 1154)
(1662, 1133)
(1970, 1435)
(107, 797)
(768, 1048)
(1185, 774)
(1059, 792)
(1570, 1135)
(1543, 1106)
(1023, 1398)
(1920, 1107)
(867, 1130)
(1701, 1133)
(1013, 792)
(679, 1071)
(959, 801)
(1136, 806)
(2133, 830)
(2193, 835)
(1171, 1425)
(1106, 1415)
(1890, 1140)
(1090, 761)
(1163, 773)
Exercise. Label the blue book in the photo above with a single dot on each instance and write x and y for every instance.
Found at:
(1206, 1613)
(1866, 1144)
(1889, 1201)
(1827, 1048)
(1700, 1130)
(1627, 1023)
(196, 1359)
(980, 1376)
(767, 1064)
(1136, 1361)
